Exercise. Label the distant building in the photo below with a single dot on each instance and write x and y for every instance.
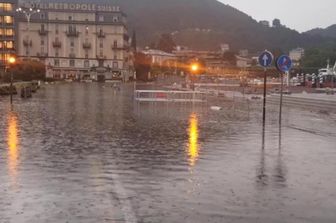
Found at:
(296, 54)
(159, 57)
(265, 23)
(77, 40)
(7, 30)
(243, 62)
(243, 53)
(225, 47)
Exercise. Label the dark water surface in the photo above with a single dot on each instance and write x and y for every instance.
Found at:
(86, 153)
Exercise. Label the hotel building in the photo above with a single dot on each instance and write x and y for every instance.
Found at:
(7, 30)
(76, 41)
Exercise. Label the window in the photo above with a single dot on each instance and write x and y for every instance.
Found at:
(86, 63)
(101, 18)
(42, 42)
(115, 57)
(42, 27)
(71, 63)
(115, 43)
(56, 28)
(42, 16)
(7, 19)
(115, 19)
(101, 44)
(115, 65)
(86, 30)
(6, 7)
(72, 43)
(56, 53)
(56, 62)
(70, 18)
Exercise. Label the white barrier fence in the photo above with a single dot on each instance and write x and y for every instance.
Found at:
(169, 96)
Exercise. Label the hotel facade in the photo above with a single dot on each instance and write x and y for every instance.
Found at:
(7, 30)
(76, 41)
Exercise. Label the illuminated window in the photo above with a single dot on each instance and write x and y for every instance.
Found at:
(6, 7)
(9, 32)
(8, 19)
(9, 44)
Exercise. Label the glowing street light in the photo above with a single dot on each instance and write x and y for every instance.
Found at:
(11, 61)
(194, 67)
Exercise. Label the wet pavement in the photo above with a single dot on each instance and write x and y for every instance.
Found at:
(88, 153)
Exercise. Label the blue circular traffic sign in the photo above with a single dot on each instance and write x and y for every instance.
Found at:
(266, 59)
(284, 63)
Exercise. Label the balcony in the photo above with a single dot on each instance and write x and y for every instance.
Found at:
(116, 47)
(43, 32)
(101, 34)
(87, 45)
(57, 44)
(72, 55)
(101, 57)
(42, 55)
(27, 43)
(72, 33)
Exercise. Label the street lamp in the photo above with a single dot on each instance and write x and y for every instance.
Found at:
(28, 12)
(11, 61)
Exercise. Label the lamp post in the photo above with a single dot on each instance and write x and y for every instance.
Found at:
(28, 12)
(11, 61)
(194, 68)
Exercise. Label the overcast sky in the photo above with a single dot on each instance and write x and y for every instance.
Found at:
(301, 15)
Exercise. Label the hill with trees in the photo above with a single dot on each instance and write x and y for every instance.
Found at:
(205, 24)
(327, 32)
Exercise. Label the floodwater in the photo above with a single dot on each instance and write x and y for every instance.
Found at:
(88, 153)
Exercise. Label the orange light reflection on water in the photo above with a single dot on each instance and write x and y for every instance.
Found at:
(193, 147)
(13, 144)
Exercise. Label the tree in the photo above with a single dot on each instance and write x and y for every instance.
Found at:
(276, 23)
(142, 66)
(27, 71)
(166, 43)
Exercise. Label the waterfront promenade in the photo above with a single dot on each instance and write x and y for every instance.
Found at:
(87, 153)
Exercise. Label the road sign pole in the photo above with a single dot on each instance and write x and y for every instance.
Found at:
(265, 89)
(11, 88)
(265, 60)
(281, 99)
(283, 64)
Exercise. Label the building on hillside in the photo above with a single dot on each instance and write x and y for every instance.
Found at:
(243, 53)
(243, 62)
(159, 57)
(7, 30)
(296, 55)
(225, 47)
(265, 23)
(76, 41)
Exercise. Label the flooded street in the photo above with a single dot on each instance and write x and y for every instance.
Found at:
(88, 153)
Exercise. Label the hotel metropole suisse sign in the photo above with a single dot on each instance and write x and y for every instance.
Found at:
(72, 7)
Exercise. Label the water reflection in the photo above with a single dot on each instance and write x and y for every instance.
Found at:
(13, 144)
(193, 147)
